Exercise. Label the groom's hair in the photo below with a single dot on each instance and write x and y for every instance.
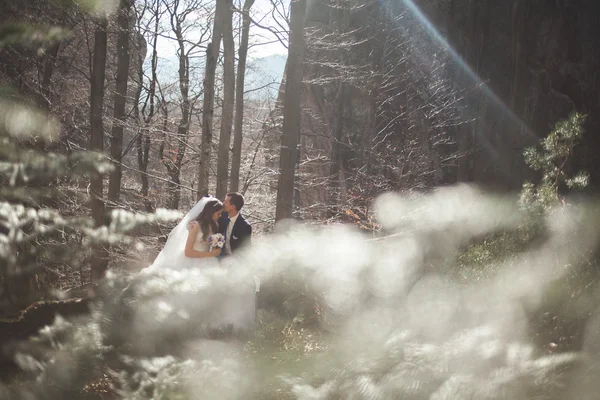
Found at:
(236, 199)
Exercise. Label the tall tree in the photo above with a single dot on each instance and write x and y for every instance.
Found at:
(228, 101)
(145, 116)
(236, 159)
(291, 112)
(181, 13)
(212, 54)
(49, 61)
(99, 261)
(116, 139)
(339, 17)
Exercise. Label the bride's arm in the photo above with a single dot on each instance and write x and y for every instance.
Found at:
(189, 245)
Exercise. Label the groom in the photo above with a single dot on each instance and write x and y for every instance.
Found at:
(233, 225)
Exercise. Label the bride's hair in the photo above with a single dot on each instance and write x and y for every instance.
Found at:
(205, 218)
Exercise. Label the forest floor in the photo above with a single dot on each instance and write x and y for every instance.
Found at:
(278, 347)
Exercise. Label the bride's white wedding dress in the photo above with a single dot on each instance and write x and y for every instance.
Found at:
(172, 255)
(201, 244)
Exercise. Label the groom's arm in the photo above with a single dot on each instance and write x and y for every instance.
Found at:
(246, 240)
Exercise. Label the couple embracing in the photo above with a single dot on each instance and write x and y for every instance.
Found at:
(199, 250)
(219, 230)
(210, 232)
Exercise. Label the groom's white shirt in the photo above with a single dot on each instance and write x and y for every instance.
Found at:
(228, 233)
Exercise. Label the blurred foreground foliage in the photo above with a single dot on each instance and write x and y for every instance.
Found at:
(45, 230)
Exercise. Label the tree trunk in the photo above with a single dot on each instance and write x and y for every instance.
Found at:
(116, 139)
(174, 189)
(144, 120)
(336, 168)
(183, 128)
(236, 160)
(173, 184)
(212, 54)
(143, 159)
(143, 136)
(291, 113)
(99, 262)
(49, 62)
(339, 17)
(228, 101)
(174, 162)
(377, 68)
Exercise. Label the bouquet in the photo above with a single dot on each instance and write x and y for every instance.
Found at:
(216, 241)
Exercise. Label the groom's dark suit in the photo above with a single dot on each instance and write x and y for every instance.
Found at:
(240, 234)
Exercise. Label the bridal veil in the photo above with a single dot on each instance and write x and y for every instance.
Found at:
(173, 253)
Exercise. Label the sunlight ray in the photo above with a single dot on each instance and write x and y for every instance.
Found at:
(431, 29)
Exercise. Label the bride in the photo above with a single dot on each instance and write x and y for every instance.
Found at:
(205, 225)
(187, 245)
